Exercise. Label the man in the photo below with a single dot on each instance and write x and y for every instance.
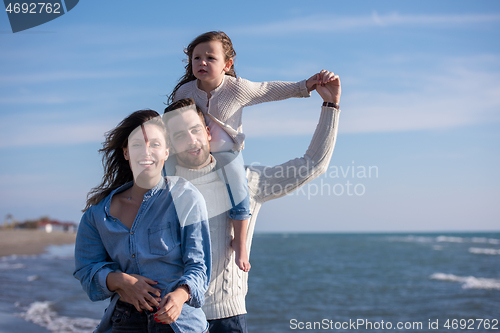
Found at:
(189, 136)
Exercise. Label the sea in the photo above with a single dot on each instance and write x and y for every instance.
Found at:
(415, 282)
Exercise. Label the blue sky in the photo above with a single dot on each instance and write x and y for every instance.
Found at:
(420, 104)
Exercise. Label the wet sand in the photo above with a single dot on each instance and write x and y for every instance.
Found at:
(31, 241)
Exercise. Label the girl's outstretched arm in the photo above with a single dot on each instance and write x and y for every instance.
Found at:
(251, 93)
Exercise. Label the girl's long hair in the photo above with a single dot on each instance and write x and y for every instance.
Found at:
(229, 53)
(116, 168)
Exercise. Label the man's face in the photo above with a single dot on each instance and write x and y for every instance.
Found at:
(190, 139)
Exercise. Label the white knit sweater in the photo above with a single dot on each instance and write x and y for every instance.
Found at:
(228, 284)
(232, 95)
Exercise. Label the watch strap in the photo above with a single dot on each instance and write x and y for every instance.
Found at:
(331, 105)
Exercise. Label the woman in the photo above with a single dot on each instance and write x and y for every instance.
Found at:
(143, 239)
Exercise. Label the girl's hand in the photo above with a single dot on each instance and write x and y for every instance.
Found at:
(171, 305)
(320, 78)
(312, 82)
(328, 86)
(134, 289)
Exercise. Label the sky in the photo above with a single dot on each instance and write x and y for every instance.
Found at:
(418, 142)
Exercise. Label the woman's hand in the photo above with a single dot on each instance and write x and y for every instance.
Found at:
(327, 84)
(134, 289)
(171, 305)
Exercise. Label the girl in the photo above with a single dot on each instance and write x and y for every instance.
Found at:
(144, 238)
(211, 81)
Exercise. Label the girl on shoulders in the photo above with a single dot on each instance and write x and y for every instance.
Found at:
(210, 79)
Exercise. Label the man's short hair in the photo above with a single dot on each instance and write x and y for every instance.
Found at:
(180, 106)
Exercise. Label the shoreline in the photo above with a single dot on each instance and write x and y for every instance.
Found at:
(31, 242)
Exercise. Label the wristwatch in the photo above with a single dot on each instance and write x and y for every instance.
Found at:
(331, 105)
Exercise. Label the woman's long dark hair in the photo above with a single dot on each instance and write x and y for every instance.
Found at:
(116, 168)
(229, 53)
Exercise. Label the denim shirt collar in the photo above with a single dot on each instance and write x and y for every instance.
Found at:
(162, 184)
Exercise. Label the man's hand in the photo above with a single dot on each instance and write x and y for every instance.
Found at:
(134, 289)
(327, 84)
(171, 305)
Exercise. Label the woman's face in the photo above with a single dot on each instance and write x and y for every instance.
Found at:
(146, 153)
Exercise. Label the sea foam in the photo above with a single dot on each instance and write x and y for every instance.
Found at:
(412, 238)
(7, 265)
(477, 250)
(468, 282)
(450, 239)
(42, 314)
(486, 240)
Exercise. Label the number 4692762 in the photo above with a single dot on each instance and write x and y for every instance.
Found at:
(471, 324)
(31, 8)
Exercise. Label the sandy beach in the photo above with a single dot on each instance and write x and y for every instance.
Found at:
(21, 241)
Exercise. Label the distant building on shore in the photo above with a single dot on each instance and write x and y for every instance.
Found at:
(44, 223)
(53, 225)
(9, 221)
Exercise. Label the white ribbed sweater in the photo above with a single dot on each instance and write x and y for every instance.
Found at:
(228, 284)
(232, 95)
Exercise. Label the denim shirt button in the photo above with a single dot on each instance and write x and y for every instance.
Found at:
(133, 256)
(131, 232)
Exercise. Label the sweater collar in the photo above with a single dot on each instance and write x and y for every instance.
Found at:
(199, 176)
(214, 92)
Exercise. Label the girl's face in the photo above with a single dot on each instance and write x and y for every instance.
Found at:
(146, 153)
(209, 62)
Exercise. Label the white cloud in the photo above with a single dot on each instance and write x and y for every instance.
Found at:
(453, 93)
(332, 23)
(31, 134)
(34, 99)
(42, 77)
(398, 19)
(453, 98)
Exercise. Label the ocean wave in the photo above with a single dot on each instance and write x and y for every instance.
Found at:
(411, 238)
(13, 257)
(42, 314)
(450, 239)
(477, 250)
(65, 251)
(493, 241)
(468, 282)
(444, 239)
(5, 266)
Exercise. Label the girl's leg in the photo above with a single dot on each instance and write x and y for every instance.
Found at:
(232, 168)
(239, 244)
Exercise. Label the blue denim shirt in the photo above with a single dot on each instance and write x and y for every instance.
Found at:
(169, 242)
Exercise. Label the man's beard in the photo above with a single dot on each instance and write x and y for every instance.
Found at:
(194, 161)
